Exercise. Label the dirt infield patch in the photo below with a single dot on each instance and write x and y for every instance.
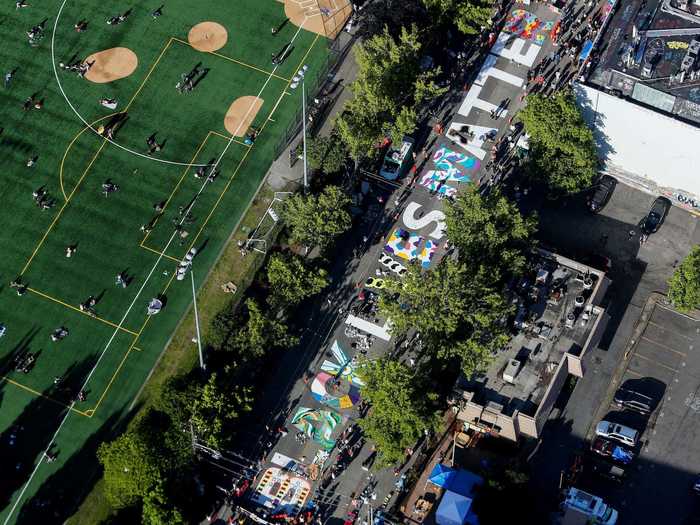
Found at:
(207, 36)
(324, 17)
(240, 115)
(111, 64)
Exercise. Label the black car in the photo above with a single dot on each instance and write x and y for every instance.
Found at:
(601, 193)
(655, 218)
(635, 401)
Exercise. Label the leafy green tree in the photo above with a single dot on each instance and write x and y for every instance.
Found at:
(562, 147)
(208, 408)
(158, 508)
(458, 309)
(131, 468)
(684, 285)
(292, 281)
(389, 86)
(316, 220)
(470, 16)
(490, 231)
(327, 154)
(401, 408)
(405, 124)
(260, 333)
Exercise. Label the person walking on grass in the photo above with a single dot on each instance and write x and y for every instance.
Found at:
(157, 12)
(9, 76)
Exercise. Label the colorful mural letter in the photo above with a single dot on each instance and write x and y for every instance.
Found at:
(403, 244)
(527, 26)
(317, 424)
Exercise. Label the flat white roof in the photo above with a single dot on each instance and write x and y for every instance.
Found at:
(642, 142)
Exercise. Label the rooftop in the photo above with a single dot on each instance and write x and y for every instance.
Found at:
(555, 316)
(649, 53)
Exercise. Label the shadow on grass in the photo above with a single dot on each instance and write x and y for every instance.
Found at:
(62, 493)
(29, 435)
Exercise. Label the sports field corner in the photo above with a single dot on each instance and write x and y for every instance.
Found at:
(156, 149)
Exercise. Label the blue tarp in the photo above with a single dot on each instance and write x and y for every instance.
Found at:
(441, 475)
(586, 50)
(622, 455)
(455, 509)
(463, 482)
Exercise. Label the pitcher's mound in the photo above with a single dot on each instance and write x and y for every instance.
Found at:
(207, 36)
(240, 115)
(111, 64)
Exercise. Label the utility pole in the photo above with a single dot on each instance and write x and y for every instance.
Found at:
(196, 322)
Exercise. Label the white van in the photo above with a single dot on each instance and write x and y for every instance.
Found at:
(621, 433)
(593, 507)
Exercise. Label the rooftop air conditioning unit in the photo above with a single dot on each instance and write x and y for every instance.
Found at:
(511, 371)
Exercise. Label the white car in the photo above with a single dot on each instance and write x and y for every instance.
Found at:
(621, 433)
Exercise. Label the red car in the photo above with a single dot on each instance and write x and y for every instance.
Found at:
(610, 449)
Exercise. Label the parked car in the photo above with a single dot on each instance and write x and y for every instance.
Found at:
(621, 433)
(601, 193)
(613, 450)
(655, 218)
(607, 470)
(631, 400)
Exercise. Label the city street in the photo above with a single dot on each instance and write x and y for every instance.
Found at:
(312, 397)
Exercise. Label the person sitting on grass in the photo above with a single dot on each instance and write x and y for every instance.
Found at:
(59, 333)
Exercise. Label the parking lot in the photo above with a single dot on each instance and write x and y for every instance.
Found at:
(663, 363)
(637, 272)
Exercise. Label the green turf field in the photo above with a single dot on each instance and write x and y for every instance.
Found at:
(117, 347)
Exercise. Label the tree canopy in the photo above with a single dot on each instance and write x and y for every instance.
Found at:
(562, 148)
(468, 15)
(388, 89)
(458, 309)
(140, 459)
(684, 285)
(401, 410)
(209, 408)
(260, 333)
(291, 280)
(327, 154)
(489, 231)
(316, 220)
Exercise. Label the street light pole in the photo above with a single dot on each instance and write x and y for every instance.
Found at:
(296, 80)
(303, 116)
(196, 322)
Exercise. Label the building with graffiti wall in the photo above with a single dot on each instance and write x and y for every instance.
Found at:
(641, 97)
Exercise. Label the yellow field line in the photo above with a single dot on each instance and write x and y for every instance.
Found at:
(63, 160)
(228, 137)
(91, 412)
(132, 346)
(172, 193)
(60, 212)
(67, 305)
(137, 349)
(159, 253)
(228, 184)
(244, 64)
(148, 75)
(37, 393)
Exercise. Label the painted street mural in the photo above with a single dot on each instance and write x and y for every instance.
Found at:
(317, 424)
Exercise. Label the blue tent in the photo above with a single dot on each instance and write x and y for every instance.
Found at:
(463, 482)
(441, 475)
(455, 509)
